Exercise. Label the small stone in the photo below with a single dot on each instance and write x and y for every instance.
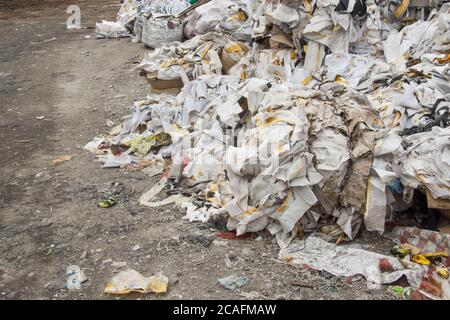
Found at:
(136, 247)
(220, 243)
(122, 264)
(45, 222)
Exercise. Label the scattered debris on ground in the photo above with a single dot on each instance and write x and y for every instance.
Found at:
(76, 277)
(62, 159)
(233, 281)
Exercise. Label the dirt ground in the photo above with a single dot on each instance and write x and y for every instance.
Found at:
(57, 91)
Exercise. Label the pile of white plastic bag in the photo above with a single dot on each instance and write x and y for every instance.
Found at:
(299, 116)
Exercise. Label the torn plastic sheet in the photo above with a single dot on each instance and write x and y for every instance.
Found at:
(237, 22)
(111, 29)
(395, 49)
(346, 261)
(193, 58)
(426, 162)
(157, 188)
(375, 213)
(176, 199)
(225, 16)
(121, 27)
(335, 35)
(170, 7)
(274, 65)
(154, 170)
(127, 12)
(292, 210)
(202, 214)
(315, 54)
(351, 68)
(283, 14)
(94, 145)
(114, 161)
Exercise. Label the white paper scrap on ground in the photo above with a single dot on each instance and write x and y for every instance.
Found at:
(345, 261)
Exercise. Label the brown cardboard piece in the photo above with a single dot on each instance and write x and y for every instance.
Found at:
(437, 203)
(160, 84)
(442, 204)
(279, 37)
(444, 225)
(227, 62)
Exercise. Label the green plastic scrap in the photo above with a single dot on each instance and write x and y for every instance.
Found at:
(400, 252)
(106, 203)
(401, 292)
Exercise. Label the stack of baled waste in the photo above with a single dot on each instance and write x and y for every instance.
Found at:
(153, 22)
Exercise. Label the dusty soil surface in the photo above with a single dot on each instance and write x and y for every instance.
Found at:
(57, 91)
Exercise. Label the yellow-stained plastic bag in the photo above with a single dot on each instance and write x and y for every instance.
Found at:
(406, 246)
(443, 272)
(436, 255)
(132, 281)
